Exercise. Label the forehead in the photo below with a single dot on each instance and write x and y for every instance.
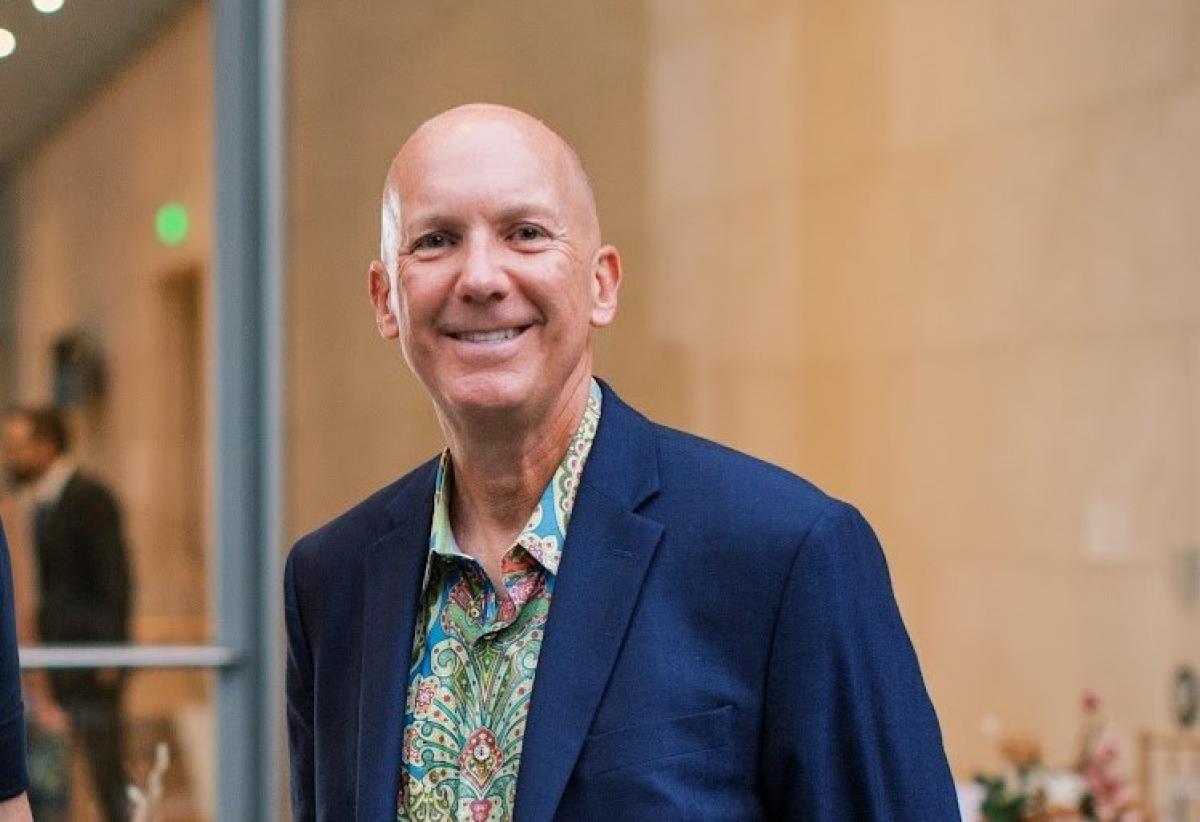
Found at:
(468, 165)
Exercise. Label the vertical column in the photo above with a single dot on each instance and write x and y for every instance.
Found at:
(248, 312)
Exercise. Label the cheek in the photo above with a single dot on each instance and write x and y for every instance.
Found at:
(578, 305)
(416, 300)
(563, 292)
(419, 305)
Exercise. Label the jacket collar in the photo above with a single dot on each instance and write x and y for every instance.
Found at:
(608, 551)
(393, 569)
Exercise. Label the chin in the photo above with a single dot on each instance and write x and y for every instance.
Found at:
(484, 392)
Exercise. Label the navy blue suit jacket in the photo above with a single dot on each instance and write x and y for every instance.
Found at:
(723, 644)
(13, 777)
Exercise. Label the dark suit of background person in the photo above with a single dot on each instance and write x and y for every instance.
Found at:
(84, 598)
(83, 591)
(723, 644)
(14, 779)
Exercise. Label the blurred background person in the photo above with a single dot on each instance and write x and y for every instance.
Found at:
(83, 586)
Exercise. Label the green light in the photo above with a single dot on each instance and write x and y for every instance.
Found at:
(171, 224)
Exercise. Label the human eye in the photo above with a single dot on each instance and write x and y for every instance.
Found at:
(433, 241)
(528, 233)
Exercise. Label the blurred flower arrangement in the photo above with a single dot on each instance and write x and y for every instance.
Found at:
(147, 804)
(1094, 789)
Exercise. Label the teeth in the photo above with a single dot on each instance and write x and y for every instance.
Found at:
(487, 336)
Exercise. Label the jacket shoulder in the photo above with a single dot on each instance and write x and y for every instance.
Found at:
(733, 498)
(84, 486)
(727, 474)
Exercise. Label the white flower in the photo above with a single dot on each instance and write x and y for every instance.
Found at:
(1063, 789)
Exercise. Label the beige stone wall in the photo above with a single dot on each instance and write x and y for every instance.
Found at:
(938, 257)
(1002, 335)
(949, 271)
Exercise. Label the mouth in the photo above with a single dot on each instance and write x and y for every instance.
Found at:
(498, 335)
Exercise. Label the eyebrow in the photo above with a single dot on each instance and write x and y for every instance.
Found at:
(504, 213)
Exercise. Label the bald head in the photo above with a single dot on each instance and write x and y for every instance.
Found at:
(478, 137)
(492, 274)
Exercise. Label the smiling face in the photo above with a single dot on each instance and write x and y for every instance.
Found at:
(494, 274)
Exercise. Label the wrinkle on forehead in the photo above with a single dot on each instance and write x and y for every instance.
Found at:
(575, 185)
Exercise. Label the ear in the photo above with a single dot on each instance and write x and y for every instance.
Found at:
(606, 279)
(379, 287)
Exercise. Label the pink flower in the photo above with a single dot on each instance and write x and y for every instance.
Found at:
(426, 691)
(412, 754)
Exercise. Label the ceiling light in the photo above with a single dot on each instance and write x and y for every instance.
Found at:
(47, 6)
(8, 43)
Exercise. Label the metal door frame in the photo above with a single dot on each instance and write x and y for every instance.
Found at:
(248, 412)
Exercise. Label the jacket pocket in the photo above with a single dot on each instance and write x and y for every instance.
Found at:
(641, 744)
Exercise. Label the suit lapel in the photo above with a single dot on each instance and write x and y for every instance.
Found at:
(392, 573)
(607, 553)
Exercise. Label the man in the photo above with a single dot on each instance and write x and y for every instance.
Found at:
(14, 779)
(574, 613)
(83, 585)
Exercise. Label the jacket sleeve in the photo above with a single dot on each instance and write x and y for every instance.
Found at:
(849, 730)
(299, 701)
(13, 777)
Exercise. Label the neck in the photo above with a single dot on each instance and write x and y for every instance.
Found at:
(49, 484)
(501, 469)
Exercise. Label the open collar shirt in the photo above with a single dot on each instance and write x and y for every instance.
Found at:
(45, 494)
(475, 654)
(50, 485)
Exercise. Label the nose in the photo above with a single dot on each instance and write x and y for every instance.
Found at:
(482, 278)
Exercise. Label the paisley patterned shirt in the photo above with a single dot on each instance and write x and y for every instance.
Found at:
(475, 654)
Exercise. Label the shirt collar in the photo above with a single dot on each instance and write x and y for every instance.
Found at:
(545, 533)
(50, 484)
